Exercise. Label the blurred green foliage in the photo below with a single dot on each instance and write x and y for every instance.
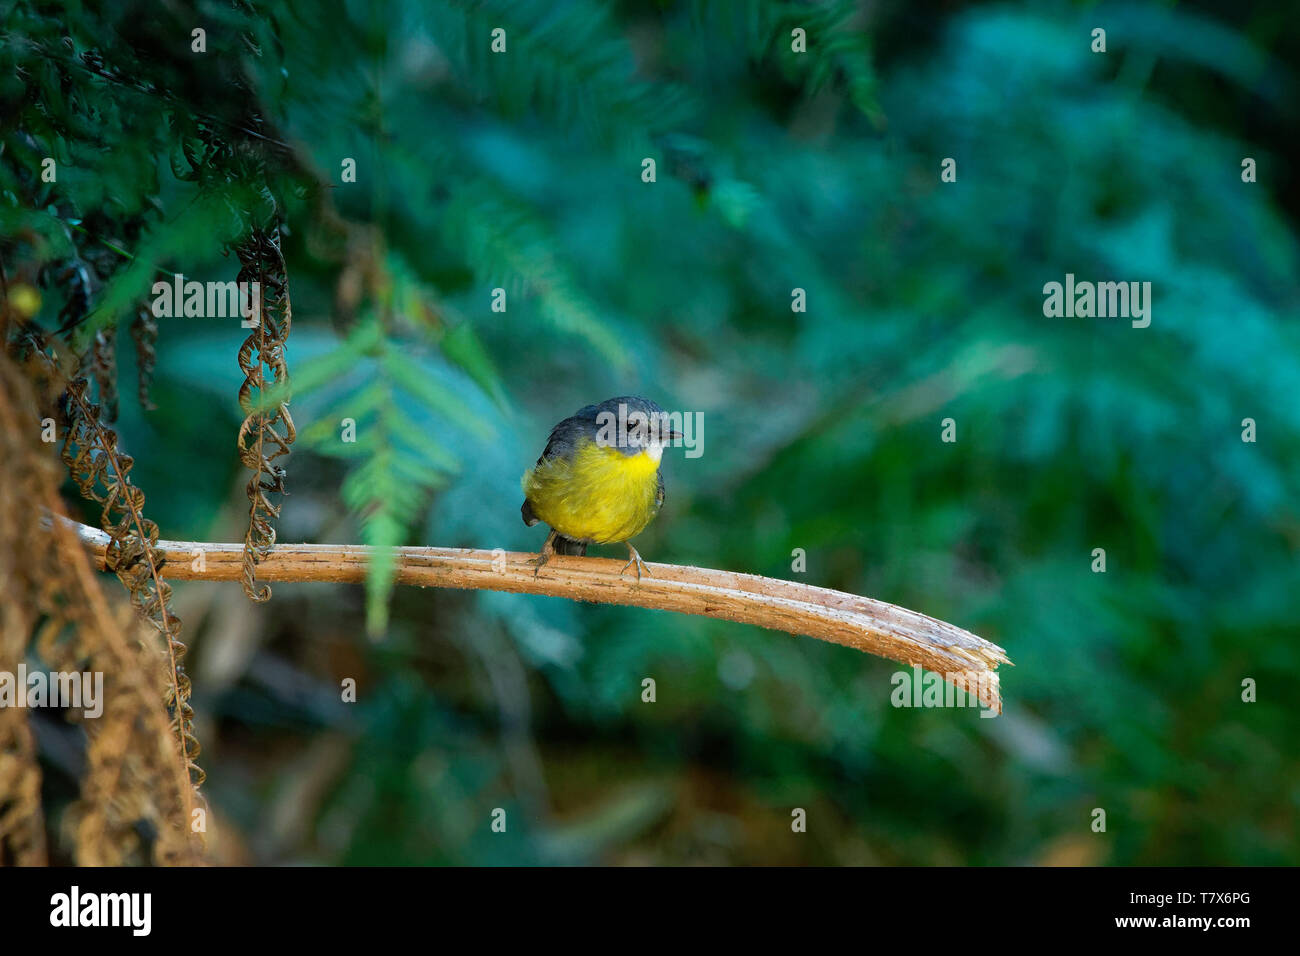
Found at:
(775, 171)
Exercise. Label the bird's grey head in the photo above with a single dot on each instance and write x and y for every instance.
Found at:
(631, 424)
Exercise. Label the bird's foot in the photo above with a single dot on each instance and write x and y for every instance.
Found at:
(640, 565)
(539, 562)
(548, 549)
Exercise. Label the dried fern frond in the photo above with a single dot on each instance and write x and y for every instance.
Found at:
(119, 818)
(22, 828)
(102, 474)
(137, 800)
(103, 366)
(265, 434)
(144, 333)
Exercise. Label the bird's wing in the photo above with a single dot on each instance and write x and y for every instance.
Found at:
(563, 437)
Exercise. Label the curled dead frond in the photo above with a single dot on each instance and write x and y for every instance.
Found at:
(103, 366)
(137, 801)
(102, 474)
(265, 434)
(144, 333)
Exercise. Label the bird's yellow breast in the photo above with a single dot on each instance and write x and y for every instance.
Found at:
(598, 494)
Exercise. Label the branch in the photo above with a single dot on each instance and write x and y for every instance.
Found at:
(863, 623)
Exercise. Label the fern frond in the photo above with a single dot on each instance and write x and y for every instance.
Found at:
(136, 777)
(265, 435)
(839, 47)
(565, 59)
(94, 461)
(508, 246)
(383, 419)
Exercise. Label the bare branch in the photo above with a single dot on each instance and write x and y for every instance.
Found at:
(863, 623)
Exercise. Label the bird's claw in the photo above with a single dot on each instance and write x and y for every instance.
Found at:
(544, 555)
(539, 562)
(640, 565)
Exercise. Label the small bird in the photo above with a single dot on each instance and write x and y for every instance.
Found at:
(597, 485)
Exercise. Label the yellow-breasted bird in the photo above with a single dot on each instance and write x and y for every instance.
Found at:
(595, 484)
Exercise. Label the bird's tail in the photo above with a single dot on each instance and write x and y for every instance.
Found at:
(526, 509)
(565, 545)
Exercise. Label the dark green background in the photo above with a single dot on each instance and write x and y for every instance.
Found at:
(822, 429)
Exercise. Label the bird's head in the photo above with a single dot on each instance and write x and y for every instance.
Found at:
(633, 425)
